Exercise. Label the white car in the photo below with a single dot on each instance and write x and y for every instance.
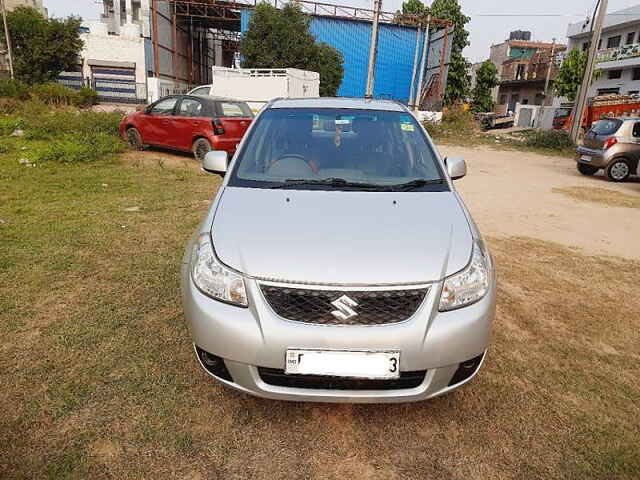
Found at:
(203, 91)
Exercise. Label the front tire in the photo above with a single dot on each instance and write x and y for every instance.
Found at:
(587, 169)
(134, 138)
(618, 170)
(200, 149)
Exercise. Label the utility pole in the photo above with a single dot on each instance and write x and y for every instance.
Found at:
(7, 38)
(373, 49)
(551, 60)
(415, 68)
(588, 73)
(425, 51)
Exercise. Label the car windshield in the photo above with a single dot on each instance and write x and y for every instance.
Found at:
(606, 127)
(305, 148)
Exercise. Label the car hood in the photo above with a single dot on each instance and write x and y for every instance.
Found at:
(338, 238)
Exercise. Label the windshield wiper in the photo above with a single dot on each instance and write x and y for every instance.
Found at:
(331, 182)
(416, 184)
(341, 182)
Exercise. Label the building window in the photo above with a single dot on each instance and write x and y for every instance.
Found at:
(633, 92)
(525, 101)
(631, 37)
(636, 74)
(608, 91)
(520, 72)
(600, 44)
(615, 74)
(585, 46)
(614, 42)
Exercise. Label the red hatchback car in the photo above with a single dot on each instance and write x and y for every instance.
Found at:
(189, 124)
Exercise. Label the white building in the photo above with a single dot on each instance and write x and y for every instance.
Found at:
(140, 50)
(619, 51)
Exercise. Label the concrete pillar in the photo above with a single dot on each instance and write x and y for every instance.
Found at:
(129, 11)
(116, 16)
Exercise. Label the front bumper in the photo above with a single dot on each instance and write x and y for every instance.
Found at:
(250, 338)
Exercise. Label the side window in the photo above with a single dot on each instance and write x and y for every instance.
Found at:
(231, 110)
(164, 107)
(636, 129)
(190, 108)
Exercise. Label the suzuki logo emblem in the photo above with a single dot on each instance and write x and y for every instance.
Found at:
(344, 307)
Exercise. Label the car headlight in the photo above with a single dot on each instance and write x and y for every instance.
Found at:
(469, 285)
(214, 279)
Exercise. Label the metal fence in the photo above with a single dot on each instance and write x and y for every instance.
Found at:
(108, 90)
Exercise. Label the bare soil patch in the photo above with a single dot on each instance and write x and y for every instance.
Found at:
(511, 194)
(604, 196)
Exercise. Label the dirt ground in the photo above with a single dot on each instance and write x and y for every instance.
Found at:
(513, 193)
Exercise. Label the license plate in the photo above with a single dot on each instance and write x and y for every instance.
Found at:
(338, 363)
(585, 158)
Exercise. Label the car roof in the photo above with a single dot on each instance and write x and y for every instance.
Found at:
(210, 98)
(338, 102)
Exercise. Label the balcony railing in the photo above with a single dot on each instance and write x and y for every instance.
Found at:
(620, 53)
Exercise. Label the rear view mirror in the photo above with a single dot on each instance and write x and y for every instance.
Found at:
(216, 162)
(456, 166)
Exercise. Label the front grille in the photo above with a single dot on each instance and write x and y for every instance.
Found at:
(374, 307)
(278, 378)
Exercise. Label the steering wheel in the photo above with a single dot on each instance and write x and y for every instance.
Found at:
(312, 165)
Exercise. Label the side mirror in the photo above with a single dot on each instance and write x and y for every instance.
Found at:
(216, 162)
(456, 166)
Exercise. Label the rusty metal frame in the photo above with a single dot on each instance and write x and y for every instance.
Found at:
(227, 15)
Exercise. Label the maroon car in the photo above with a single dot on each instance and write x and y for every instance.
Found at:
(189, 124)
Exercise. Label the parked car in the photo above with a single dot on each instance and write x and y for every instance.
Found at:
(337, 262)
(203, 90)
(612, 145)
(189, 123)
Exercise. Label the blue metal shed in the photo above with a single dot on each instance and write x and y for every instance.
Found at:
(394, 61)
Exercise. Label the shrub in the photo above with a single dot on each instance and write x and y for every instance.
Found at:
(455, 122)
(14, 89)
(9, 106)
(86, 97)
(53, 124)
(70, 148)
(552, 139)
(54, 94)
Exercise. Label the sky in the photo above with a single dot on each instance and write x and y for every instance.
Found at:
(545, 19)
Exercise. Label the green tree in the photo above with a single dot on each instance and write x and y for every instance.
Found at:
(280, 38)
(413, 7)
(486, 80)
(458, 79)
(330, 66)
(570, 76)
(42, 48)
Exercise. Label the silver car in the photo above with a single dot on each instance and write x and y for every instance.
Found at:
(612, 145)
(337, 262)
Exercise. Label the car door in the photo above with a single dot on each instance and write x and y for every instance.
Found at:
(634, 150)
(189, 122)
(235, 118)
(156, 125)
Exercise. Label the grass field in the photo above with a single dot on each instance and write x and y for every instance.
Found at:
(99, 379)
